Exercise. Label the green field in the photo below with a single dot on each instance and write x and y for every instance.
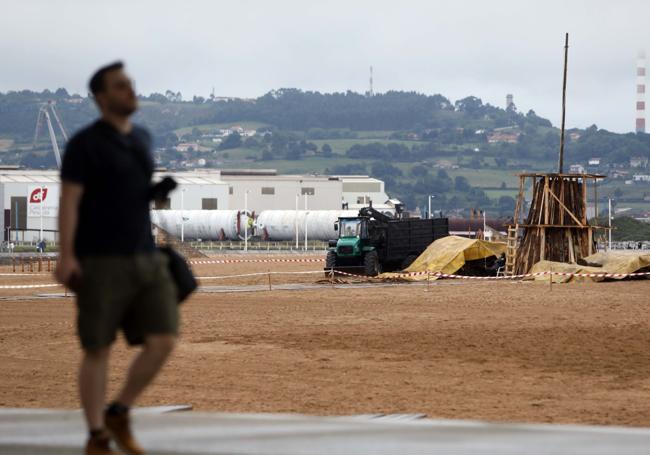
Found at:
(5, 144)
(340, 146)
(373, 134)
(487, 178)
(312, 165)
(496, 194)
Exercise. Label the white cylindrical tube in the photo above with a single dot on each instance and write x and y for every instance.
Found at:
(201, 224)
(282, 224)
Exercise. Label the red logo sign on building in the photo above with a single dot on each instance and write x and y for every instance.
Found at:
(35, 196)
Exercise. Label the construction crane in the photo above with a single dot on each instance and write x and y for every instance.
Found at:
(46, 111)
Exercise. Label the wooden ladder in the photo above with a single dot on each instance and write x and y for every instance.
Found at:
(511, 250)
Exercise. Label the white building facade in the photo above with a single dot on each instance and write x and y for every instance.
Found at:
(361, 190)
(30, 198)
(27, 219)
(266, 190)
(30, 203)
(196, 190)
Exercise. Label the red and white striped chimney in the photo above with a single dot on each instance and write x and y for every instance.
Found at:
(640, 93)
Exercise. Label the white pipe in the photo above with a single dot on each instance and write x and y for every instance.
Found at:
(306, 213)
(246, 223)
(182, 215)
(281, 224)
(202, 224)
(40, 203)
(296, 220)
(430, 207)
(609, 245)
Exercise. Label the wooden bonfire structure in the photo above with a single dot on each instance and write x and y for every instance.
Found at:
(556, 228)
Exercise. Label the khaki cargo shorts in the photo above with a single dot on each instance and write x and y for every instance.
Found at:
(133, 293)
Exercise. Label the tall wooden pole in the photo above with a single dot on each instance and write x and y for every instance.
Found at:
(566, 54)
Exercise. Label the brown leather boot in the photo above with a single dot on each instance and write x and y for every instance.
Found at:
(119, 427)
(99, 444)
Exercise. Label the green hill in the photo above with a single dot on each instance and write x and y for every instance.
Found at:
(465, 153)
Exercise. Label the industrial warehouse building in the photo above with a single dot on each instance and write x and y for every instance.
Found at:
(259, 190)
(265, 189)
(26, 217)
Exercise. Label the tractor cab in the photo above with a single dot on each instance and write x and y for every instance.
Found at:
(352, 227)
(352, 233)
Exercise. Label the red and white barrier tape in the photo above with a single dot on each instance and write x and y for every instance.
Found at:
(511, 277)
(25, 274)
(600, 275)
(396, 276)
(222, 277)
(28, 286)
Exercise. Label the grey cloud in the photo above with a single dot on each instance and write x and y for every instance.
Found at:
(246, 48)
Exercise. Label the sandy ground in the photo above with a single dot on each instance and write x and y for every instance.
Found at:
(499, 351)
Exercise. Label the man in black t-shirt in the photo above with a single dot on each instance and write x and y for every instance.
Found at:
(108, 258)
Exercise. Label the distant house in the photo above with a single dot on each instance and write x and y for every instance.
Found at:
(444, 164)
(187, 146)
(641, 178)
(618, 174)
(190, 146)
(574, 136)
(503, 136)
(236, 129)
(594, 162)
(638, 161)
(576, 169)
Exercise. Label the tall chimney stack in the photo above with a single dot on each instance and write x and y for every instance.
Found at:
(640, 93)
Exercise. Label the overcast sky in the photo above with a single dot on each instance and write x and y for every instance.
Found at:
(246, 48)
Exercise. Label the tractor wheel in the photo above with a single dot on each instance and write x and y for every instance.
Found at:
(371, 264)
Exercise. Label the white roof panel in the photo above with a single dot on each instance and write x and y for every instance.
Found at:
(22, 178)
(28, 178)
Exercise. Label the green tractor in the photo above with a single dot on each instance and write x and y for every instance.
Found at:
(372, 242)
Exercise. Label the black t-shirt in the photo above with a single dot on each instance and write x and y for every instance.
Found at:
(115, 170)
